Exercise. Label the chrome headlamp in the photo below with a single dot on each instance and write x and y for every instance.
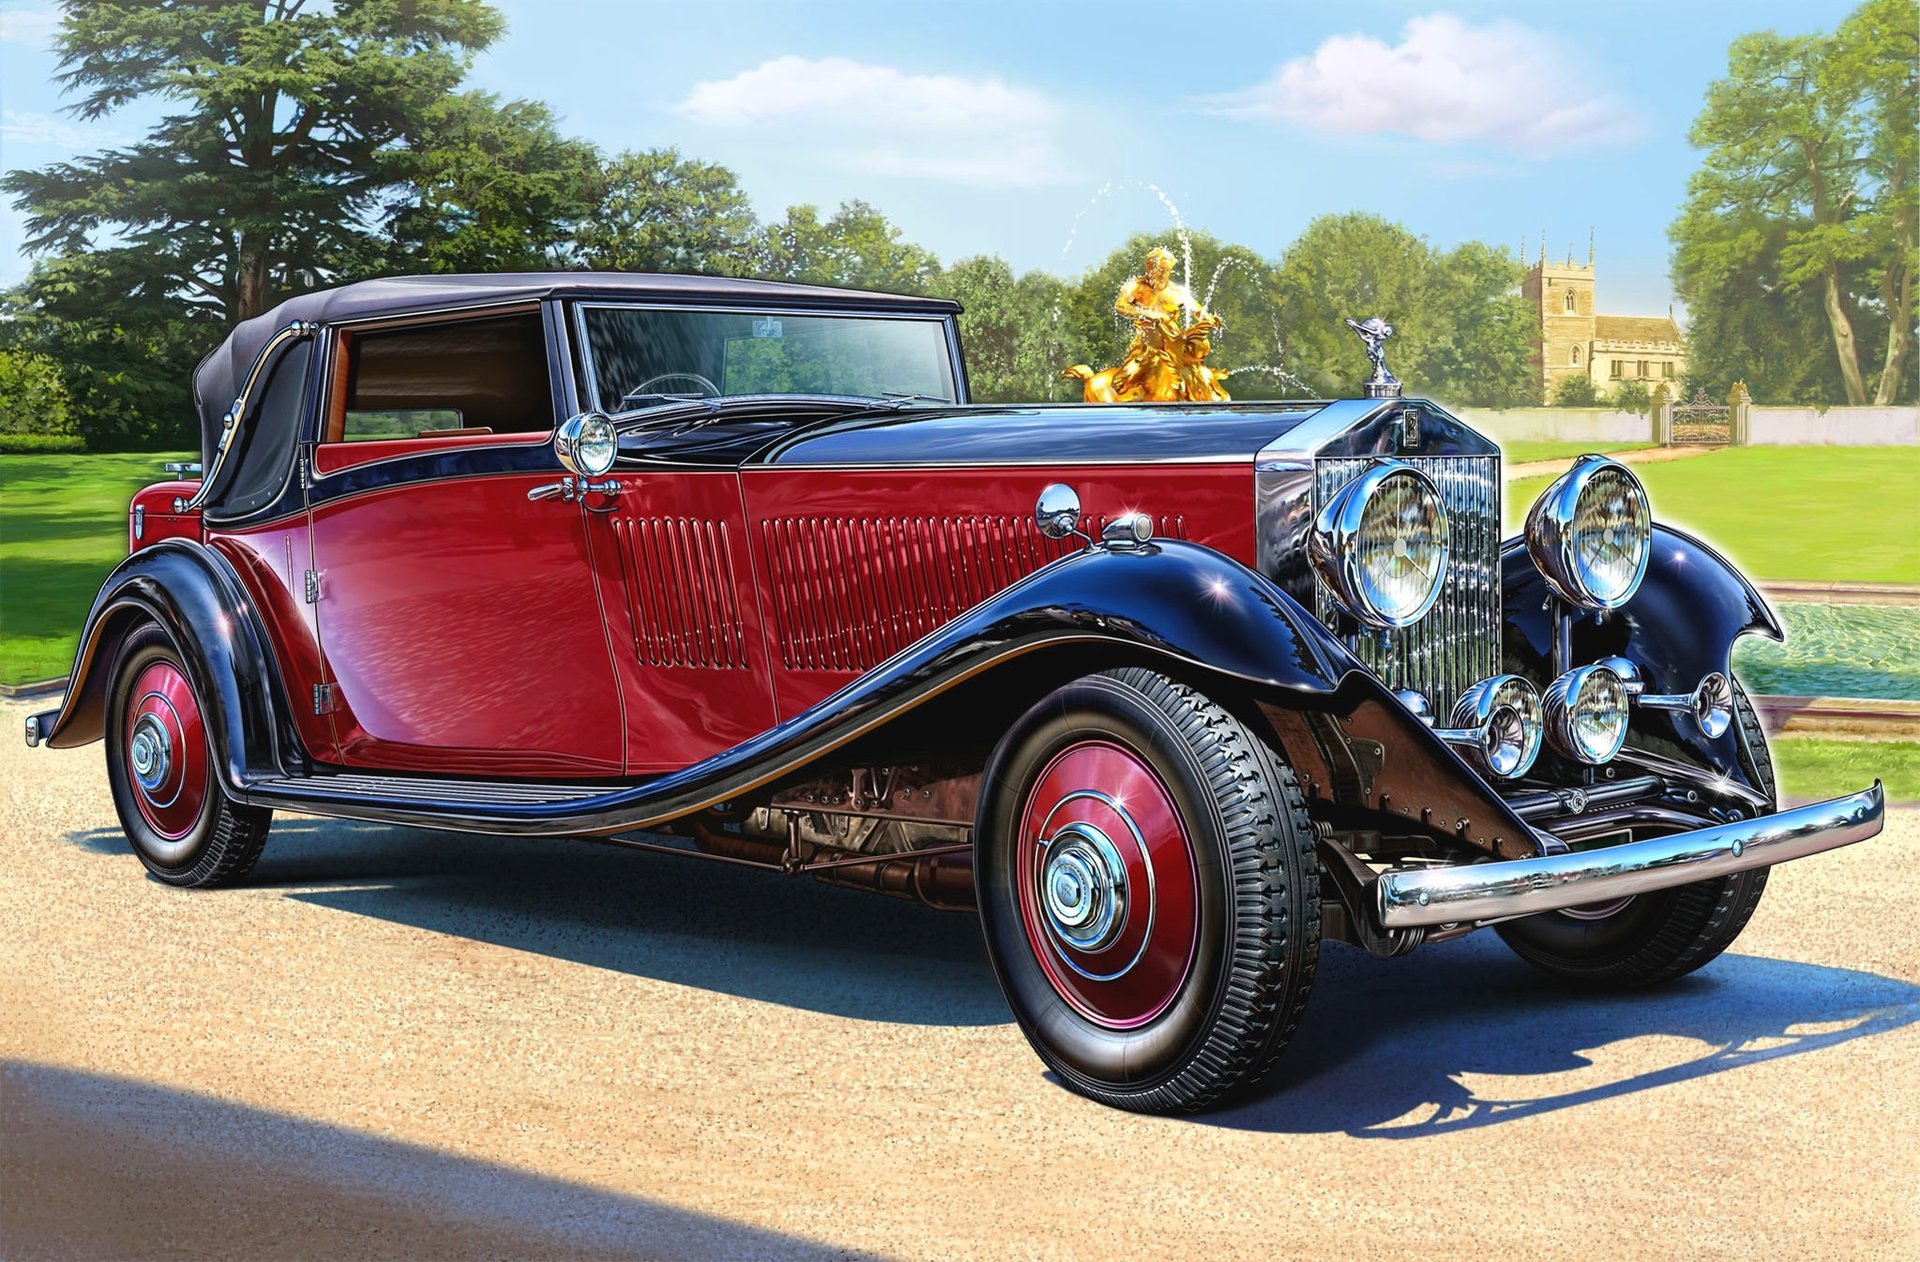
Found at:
(1380, 545)
(1586, 714)
(587, 445)
(1497, 723)
(1591, 532)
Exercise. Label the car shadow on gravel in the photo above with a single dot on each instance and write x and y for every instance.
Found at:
(687, 921)
(1463, 1035)
(99, 1166)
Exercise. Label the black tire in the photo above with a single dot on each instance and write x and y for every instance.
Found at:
(220, 839)
(1654, 938)
(1255, 907)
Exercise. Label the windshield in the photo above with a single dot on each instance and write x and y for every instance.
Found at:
(639, 355)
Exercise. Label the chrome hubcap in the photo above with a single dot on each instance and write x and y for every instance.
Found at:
(150, 752)
(1084, 887)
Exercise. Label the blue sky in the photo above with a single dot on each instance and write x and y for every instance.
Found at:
(995, 127)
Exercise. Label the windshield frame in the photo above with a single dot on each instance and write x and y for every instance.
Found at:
(587, 386)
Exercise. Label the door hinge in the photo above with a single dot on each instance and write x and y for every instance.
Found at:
(313, 586)
(323, 699)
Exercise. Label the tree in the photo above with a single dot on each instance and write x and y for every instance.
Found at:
(1012, 330)
(1484, 355)
(1808, 183)
(485, 186)
(1631, 396)
(1575, 392)
(1459, 326)
(126, 349)
(263, 180)
(857, 248)
(659, 212)
(33, 398)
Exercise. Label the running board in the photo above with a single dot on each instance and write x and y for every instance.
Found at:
(345, 788)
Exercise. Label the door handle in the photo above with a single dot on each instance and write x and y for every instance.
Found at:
(569, 490)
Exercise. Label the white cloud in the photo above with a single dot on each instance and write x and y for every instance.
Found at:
(28, 26)
(20, 127)
(1445, 82)
(886, 121)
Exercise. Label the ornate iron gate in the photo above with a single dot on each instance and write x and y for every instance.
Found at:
(1701, 420)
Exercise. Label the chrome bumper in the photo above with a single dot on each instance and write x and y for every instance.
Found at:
(1411, 897)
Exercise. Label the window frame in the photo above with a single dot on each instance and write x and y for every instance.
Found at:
(586, 394)
(330, 416)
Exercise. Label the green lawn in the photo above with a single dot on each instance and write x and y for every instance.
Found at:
(1818, 513)
(1815, 767)
(63, 525)
(1523, 453)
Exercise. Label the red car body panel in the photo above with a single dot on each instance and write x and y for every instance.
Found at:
(858, 564)
(683, 608)
(463, 632)
(150, 517)
(271, 562)
(330, 458)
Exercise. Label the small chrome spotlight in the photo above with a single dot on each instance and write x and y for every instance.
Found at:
(1710, 704)
(1497, 723)
(1586, 714)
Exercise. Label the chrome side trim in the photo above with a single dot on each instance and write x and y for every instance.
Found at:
(1469, 893)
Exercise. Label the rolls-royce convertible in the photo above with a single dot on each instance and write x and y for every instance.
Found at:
(1168, 693)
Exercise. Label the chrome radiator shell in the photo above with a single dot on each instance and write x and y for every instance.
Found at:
(1458, 642)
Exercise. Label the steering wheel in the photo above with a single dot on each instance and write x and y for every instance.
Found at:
(645, 387)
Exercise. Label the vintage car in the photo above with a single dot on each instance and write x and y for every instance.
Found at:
(1169, 693)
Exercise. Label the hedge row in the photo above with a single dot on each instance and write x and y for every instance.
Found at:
(40, 444)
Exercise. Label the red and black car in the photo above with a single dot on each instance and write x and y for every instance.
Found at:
(1169, 693)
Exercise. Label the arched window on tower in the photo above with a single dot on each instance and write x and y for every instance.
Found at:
(1576, 357)
(1569, 300)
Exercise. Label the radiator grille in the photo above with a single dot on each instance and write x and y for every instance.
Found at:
(682, 592)
(1458, 643)
(848, 593)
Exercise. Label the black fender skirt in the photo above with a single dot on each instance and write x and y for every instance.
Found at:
(1679, 627)
(195, 597)
(1176, 606)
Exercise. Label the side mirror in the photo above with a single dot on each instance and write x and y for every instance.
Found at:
(1057, 511)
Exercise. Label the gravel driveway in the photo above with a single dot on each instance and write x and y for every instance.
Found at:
(396, 1042)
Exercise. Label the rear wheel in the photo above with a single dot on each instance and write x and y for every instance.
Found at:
(1652, 938)
(176, 815)
(1149, 892)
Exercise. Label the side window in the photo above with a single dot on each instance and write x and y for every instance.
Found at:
(260, 462)
(484, 376)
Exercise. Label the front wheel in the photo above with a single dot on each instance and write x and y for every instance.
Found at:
(1651, 938)
(1149, 892)
(176, 815)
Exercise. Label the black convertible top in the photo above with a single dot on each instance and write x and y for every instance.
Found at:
(221, 374)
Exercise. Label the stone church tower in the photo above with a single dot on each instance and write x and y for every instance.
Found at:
(1571, 338)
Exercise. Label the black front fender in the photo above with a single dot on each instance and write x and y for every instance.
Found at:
(1679, 627)
(193, 595)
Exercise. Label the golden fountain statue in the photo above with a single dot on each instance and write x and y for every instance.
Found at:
(1166, 362)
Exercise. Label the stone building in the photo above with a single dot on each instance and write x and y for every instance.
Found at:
(1572, 339)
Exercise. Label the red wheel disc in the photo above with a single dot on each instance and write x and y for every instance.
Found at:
(1108, 886)
(165, 743)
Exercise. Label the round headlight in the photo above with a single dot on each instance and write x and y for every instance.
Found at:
(1586, 714)
(587, 444)
(1591, 533)
(1498, 722)
(1380, 545)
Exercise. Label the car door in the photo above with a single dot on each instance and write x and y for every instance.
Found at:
(459, 620)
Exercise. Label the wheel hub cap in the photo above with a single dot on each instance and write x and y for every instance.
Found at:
(1085, 886)
(1108, 885)
(166, 751)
